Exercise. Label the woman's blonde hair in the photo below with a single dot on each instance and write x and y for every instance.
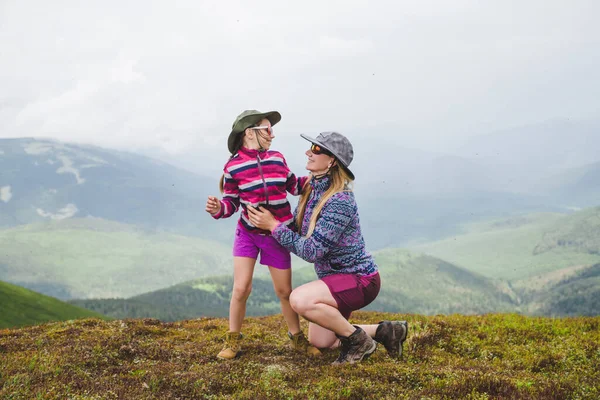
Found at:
(340, 182)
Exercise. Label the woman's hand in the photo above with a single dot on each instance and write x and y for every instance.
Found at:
(262, 218)
(213, 205)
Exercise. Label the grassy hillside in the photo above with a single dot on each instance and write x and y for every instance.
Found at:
(201, 297)
(410, 283)
(417, 283)
(96, 258)
(580, 186)
(524, 246)
(477, 357)
(579, 232)
(22, 307)
(566, 292)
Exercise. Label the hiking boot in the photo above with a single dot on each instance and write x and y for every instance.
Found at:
(356, 347)
(301, 344)
(232, 346)
(392, 334)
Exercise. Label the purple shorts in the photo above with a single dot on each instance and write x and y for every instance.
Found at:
(352, 292)
(249, 244)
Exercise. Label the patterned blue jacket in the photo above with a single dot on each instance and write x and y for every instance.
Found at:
(336, 246)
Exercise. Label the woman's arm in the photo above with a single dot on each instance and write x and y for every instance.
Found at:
(337, 214)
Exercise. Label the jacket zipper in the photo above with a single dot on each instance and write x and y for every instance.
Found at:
(260, 171)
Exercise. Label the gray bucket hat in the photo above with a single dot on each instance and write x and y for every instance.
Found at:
(247, 119)
(338, 145)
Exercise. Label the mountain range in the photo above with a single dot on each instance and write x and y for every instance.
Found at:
(502, 230)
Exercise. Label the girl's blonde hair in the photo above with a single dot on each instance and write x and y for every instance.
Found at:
(340, 182)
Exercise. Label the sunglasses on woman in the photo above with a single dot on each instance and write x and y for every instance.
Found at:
(316, 149)
(268, 128)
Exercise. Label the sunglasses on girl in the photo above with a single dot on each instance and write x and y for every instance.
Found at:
(268, 128)
(316, 149)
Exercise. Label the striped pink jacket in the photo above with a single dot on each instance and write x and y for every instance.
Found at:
(254, 178)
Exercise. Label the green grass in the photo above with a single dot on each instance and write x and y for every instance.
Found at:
(520, 247)
(22, 307)
(462, 357)
(96, 258)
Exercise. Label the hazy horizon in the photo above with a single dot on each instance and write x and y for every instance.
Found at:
(154, 77)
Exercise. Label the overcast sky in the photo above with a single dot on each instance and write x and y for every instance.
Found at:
(174, 74)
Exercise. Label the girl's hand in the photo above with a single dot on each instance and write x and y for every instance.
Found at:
(213, 205)
(262, 218)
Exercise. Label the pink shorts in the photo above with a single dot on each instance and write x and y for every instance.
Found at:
(250, 244)
(352, 292)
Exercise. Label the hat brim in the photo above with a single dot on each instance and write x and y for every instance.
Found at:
(273, 116)
(337, 157)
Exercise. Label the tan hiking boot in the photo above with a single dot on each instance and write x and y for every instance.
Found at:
(232, 346)
(301, 344)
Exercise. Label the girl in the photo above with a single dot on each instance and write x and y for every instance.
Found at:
(256, 176)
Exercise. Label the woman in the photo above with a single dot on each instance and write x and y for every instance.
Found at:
(330, 237)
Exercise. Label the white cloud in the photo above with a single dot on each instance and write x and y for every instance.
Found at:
(344, 46)
(67, 168)
(66, 212)
(149, 74)
(5, 194)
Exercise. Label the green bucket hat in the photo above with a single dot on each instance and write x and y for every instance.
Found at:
(247, 119)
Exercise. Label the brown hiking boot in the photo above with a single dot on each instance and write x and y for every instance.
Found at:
(356, 347)
(392, 334)
(301, 344)
(232, 346)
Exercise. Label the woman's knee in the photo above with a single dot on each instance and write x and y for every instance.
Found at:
(300, 301)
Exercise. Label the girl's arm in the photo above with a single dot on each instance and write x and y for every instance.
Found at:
(293, 184)
(230, 202)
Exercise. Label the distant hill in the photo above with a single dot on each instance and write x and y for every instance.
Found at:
(410, 283)
(21, 307)
(396, 219)
(417, 283)
(550, 262)
(537, 149)
(201, 297)
(568, 292)
(421, 195)
(578, 295)
(45, 180)
(492, 267)
(578, 232)
(523, 246)
(494, 356)
(91, 257)
(581, 187)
